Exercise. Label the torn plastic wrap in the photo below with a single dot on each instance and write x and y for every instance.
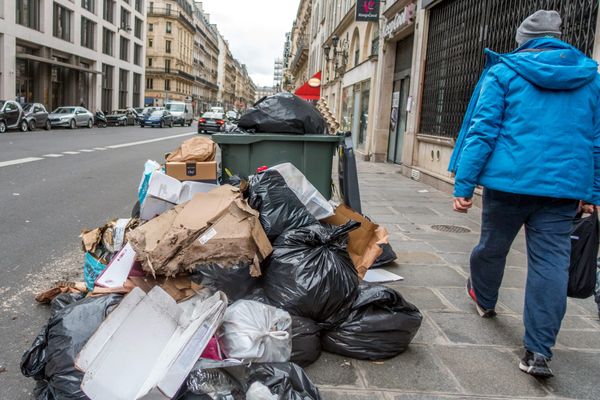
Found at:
(381, 325)
(280, 209)
(306, 341)
(310, 273)
(51, 359)
(252, 331)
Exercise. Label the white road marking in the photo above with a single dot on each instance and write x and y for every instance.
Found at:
(118, 146)
(19, 161)
(100, 148)
(53, 155)
(87, 151)
(70, 152)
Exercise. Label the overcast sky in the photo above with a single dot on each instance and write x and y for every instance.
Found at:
(255, 31)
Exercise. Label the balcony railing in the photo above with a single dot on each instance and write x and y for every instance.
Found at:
(167, 12)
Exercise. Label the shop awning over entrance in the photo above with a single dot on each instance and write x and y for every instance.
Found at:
(311, 90)
(54, 62)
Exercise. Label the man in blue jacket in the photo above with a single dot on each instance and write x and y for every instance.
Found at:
(531, 138)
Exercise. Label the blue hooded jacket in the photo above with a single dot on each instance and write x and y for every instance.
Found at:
(533, 125)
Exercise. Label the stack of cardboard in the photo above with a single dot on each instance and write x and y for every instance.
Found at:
(194, 160)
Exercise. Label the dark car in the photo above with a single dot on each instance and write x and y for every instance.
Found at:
(122, 117)
(36, 116)
(211, 122)
(11, 116)
(160, 118)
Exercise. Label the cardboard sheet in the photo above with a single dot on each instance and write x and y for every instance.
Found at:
(381, 275)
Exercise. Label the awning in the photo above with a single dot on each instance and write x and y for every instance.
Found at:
(31, 57)
(311, 90)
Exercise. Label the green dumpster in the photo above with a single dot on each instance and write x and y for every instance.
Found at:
(242, 154)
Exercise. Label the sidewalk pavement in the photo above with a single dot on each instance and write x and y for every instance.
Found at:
(456, 354)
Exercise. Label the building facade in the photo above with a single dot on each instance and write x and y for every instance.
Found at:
(264, 91)
(60, 52)
(297, 62)
(206, 62)
(226, 76)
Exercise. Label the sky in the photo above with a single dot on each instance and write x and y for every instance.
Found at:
(255, 31)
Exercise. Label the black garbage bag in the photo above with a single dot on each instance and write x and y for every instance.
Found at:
(286, 380)
(283, 113)
(235, 281)
(388, 256)
(279, 207)
(584, 254)
(306, 341)
(51, 358)
(310, 273)
(381, 325)
(259, 295)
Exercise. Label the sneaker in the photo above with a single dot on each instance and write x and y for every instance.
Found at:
(483, 312)
(535, 364)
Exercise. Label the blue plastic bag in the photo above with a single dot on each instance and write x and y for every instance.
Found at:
(92, 269)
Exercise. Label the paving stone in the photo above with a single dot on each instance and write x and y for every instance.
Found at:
(389, 218)
(429, 275)
(427, 396)
(461, 259)
(576, 375)
(577, 339)
(514, 278)
(424, 298)
(429, 334)
(504, 330)
(587, 304)
(578, 323)
(418, 257)
(458, 298)
(452, 246)
(489, 372)
(417, 369)
(333, 370)
(409, 245)
(514, 300)
(336, 394)
(516, 258)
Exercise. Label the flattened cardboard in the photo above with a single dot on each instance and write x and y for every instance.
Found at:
(192, 171)
(190, 189)
(363, 243)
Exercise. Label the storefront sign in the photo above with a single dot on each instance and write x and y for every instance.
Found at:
(402, 19)
(367, 10)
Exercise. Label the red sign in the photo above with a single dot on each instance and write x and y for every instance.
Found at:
(367, 10)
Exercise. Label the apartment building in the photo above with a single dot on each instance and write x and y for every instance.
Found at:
(206, 61)
(226, 75)
(72, 52)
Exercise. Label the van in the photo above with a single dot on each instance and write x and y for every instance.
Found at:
(181, 112)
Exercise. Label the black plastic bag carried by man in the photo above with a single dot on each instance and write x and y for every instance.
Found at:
(284, 113)
(584, 254)
(381, 325)
(310, 273)
(51, 358)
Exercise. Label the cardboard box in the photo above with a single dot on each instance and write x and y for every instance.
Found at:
(218, 226)
(148, 345)
(363, 243)
(192, 171)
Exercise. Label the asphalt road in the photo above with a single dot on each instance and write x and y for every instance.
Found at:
(53, 185)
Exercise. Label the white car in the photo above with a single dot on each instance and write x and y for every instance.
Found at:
(71, 117)
(181, 112)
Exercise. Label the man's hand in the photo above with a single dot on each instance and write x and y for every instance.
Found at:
(462, 205)
(586, 208)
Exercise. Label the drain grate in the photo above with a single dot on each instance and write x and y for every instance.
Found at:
(450, 228)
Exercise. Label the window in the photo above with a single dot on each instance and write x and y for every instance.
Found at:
(356, 56)
(168, 46)
(168, 9)
(124, 49)
(62, 22)
(137, 54)
(137, 83)
(139, 6)
(149, 42)
(167, 84)
(125, 18)
(138, 28)
(107, 41)
(149, 83)
(123, 75)
(109, 11)
(151, 7)
(150, 27)
(28, 13)
(107, 86)
(168, 26)
(167, 66)
(88, 29)
(149, 62)
(89, 5)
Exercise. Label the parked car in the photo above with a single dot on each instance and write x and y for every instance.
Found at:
(211, 122)
(160, 118)
(12, 116)
(71, 117)
(139, 110)
(181, 112)
(36, 116)
(147, 111)
(122, 117)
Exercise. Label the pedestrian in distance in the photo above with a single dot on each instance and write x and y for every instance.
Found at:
(531, 138)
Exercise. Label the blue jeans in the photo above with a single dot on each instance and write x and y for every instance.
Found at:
(548, 223)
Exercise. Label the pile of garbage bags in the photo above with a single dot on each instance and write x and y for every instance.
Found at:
(227, 294)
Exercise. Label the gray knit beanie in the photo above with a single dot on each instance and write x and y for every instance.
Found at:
(540, 24)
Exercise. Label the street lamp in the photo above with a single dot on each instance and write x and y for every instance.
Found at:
(339, 57)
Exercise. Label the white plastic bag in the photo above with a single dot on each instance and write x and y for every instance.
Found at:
(253, 331)
(258, 391)
(314, 201)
